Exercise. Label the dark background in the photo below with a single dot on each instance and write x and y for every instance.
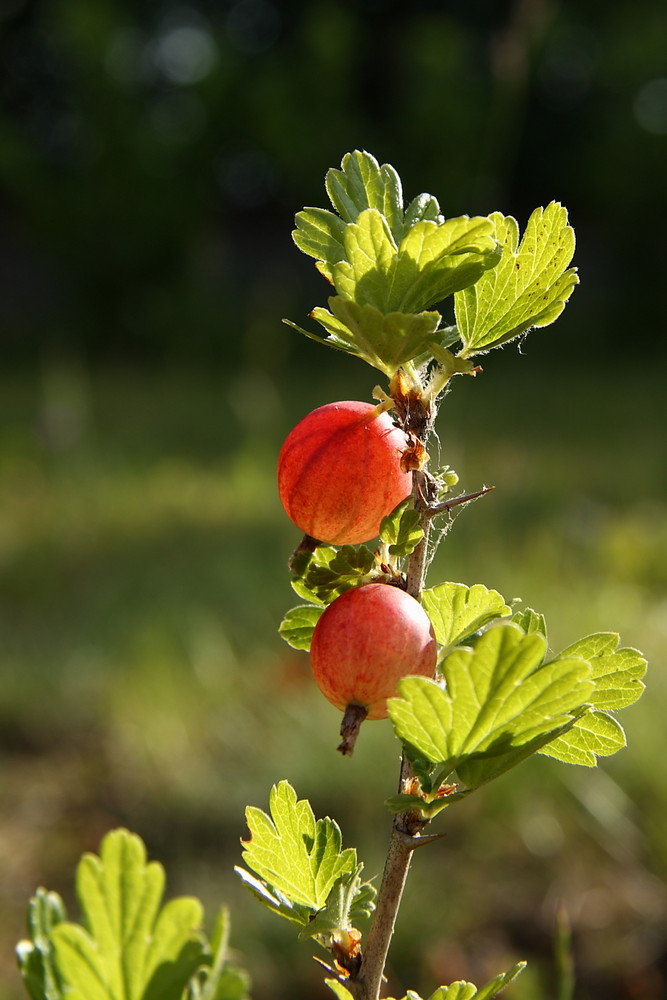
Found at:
(152, 157)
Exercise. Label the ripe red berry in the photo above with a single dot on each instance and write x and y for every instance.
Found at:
(365, 642)
(339, 472)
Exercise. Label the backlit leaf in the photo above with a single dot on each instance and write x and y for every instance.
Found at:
(435, 260)
(400, 530)
(322, 575)
(384, 340)
(466, 991)
(295, 856)
(500, 702)
(362, 183)
(319, 233)
(530, 621)
(457, 611)
(617, 675)
(595, 735)
(35, 956)
(297, 626)
(128, 948)
(528, 288)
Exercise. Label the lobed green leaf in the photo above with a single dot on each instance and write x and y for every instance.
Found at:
(528, 288)
(457, 611)
(384, 340)
(297, 857)
(466, 991)
(362, 183)
(319, 234)
(617, 673)
(400, 530)
(322, 575)
(437, 259)
(298, 625)
(35, 956)
(128, 949)
(617, 677)
(432, 261)
(500, 703)
(530, 621)
(595, 735)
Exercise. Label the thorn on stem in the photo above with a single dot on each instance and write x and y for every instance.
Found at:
(440, 508)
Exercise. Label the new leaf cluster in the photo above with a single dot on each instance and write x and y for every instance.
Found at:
(390, 266)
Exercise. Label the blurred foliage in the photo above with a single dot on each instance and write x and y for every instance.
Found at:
(152, 155)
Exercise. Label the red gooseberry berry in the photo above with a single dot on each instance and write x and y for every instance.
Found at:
(339, 472)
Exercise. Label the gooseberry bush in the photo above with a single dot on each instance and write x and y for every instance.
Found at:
(466, 679)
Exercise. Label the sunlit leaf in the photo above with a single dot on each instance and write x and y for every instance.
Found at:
(35, 956)
(362, 183)
(219, 979)
(400, 530)
(384, 340)
(435, 260)
(319, 233)
(432, 261)
(617, 675)
(457, 611)
(322, 575)
(595, 735)
(528, 288)
(297, 626)
(531, 621)
(128, 948)
(466, 991)
(364, 275)
(339, 991)
(296, 856)
(500, 702)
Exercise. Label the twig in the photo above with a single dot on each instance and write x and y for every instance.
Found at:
(367, 983)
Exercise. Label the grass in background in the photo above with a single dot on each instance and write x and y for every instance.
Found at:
(142, 560)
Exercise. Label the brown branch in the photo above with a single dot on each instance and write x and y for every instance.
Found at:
(367, 983)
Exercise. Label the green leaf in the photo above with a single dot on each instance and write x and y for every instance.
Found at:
(297, 857)
(322, 575)
(500, 703)
(384, 340)
(35, 956)
(617, 673)
(319, 234)
(531, 621)
(220, 979)
(422, 208)
(364, 275)
(349, 901)
(457, 611)
(528, 288)
(362, 183)
(400, 530)
(297, 626)
(128, 949)
(432, 261)
(595, 735)
(466, 991)
(436, 260)
(273, 900)
(339, 991)
(617, 676)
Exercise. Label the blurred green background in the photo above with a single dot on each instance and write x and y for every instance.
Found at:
(152, 157)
